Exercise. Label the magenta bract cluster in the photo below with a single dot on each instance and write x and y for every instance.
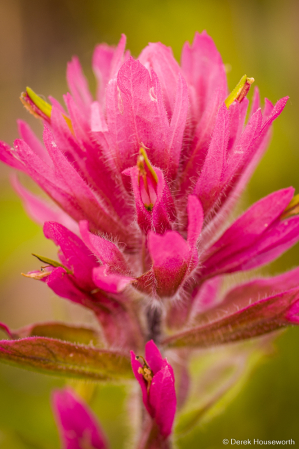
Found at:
(142, 181)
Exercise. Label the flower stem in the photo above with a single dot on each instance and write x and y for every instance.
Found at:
(150, 437)
(154, 321)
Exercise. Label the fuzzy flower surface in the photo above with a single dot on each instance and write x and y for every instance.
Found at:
(142, 181)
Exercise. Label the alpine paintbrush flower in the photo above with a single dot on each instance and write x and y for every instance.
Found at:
(142, 180)
(156, 378)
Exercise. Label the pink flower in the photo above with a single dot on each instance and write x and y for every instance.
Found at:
(77, 426)
(142, 180)
(156, 379)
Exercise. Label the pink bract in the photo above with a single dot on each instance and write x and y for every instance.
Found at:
(77, 425)
(159, 398)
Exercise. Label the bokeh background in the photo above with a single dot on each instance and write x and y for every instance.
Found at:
(37, 38)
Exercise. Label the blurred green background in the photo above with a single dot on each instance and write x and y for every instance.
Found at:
(37, 38)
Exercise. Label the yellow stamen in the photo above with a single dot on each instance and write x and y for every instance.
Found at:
(45, 107)
(42, 105)
(145, 371)
(143, 158)
(240, 91)
(292, 208)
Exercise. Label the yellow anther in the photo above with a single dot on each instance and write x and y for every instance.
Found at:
(45, 107)
(292, 208)
(145, 371)
(149, 182)
(144, 159)
(42, 105)
(240, 91)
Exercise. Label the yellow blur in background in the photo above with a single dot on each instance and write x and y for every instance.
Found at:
(37, 38)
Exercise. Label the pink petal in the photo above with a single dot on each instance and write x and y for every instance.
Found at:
(163, 213)
(65, 140)
(195, 220)
(170, 254)
(203, 68)
(268, 109)
(106, 63)
(110, 282)
(42, 174)
(10, 157)
(80, 120)
(160, 59)
(206, 297)
(195, 155)
(237, 160)
(210, 181)
(77, 424)
(153, 357)
(40, 211)
(245, 158)
(75, 255)
(177, 126)
(32, 141)
(250, 292)
(97, 120)
(106, 251)
(237, 114)
(56, 104)
(94, 159)
(111, 314)
(162, 398)
(251, 234)
(62, 183)
(195, 223)
(275, 242)
(255, 105)
(64, 285)
(160, 402)
(78, 84)
(135, 366)
(86, 202)
(243, 148)
(101, 64)
(143, 120)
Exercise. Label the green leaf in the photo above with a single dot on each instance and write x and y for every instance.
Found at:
(60, 358)
(60, 331)
(255, 320)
